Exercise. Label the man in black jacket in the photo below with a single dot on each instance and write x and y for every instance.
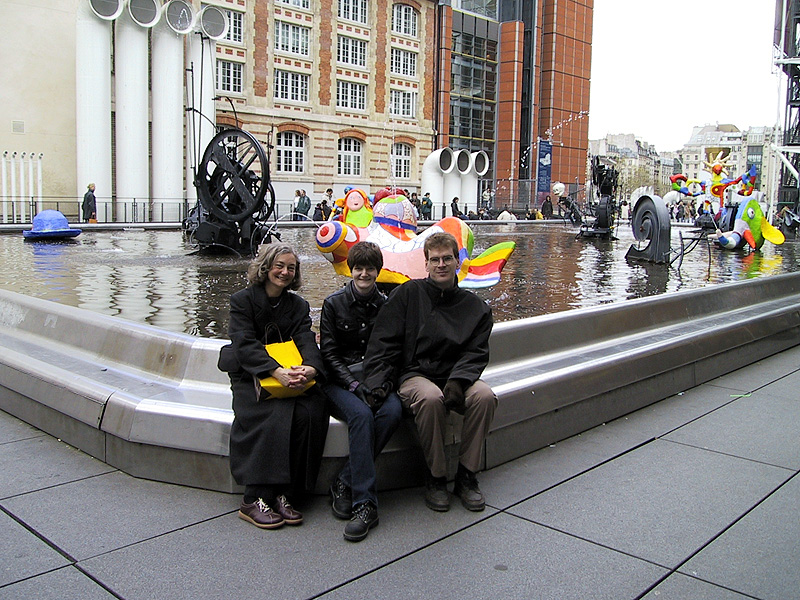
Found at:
(348, 316)
(432, 340)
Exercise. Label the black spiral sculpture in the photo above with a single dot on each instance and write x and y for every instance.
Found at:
(650, 223)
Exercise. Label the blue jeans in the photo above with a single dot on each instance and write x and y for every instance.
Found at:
(368, 433)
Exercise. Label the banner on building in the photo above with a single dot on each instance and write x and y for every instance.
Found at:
(544, 163)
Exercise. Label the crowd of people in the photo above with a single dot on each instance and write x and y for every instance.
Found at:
(420, 351)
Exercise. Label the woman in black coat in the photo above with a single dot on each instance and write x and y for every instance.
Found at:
(276, 443)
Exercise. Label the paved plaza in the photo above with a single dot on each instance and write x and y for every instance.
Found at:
(695, 497)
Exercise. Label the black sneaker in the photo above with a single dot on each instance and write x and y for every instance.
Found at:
(466, 488)
(341, 500)
(436, 496)
(365, 517)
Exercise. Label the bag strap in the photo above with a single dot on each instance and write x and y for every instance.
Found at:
(266, 332)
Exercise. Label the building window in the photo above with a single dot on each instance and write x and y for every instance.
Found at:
(487, 8)
(235, 20)
(291, 38)
(351, 95)
(403, 104)
(291, 152)
(229, 76)
(401, 161)
(297, 3)
(404, 62)
(353, 10)
(349, 157)
(352, 51)
(291, 86)
(404, 20)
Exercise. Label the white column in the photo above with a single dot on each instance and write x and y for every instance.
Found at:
(434, 169)
(452, 181)
(93, 105)
(30, 184)
(22, 199)
(479, 165)
(4, 180)
(201, 119)
(167, 95)
(39, 180)
(131, 121)
(13, 168)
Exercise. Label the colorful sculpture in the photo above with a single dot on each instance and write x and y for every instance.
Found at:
(750, 227)
(680, 183)
(390, 223)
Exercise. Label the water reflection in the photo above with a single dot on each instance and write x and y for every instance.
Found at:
(154, 277)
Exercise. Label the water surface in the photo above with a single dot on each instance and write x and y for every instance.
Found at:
(155, 277)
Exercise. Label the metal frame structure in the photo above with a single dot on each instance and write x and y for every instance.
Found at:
(787, 22)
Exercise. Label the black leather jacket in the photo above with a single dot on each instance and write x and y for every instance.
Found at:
(344, 331)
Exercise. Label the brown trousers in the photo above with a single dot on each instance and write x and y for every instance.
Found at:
(426, 402)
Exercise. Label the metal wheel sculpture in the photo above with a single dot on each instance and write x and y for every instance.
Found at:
(605, 213)
(233, 177)
(235, 195)
(650, 223)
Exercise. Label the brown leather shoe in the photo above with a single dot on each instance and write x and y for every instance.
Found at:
(291, 516)
(260, 514)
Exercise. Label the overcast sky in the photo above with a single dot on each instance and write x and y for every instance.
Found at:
(661, 67)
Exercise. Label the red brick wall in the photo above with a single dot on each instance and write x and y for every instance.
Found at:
(563, 84)
(509, 104)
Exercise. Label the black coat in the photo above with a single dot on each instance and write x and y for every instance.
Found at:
(89, 205)
(424, 330)
(344, 329)
(260, 434)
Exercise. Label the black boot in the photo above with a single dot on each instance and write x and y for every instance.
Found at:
(436, 496)
(341, 500)
(365, 517)
(466, 488)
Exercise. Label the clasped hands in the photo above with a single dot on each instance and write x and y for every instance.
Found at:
(294, 377)
(374, 398)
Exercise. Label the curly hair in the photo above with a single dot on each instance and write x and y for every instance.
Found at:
(260, 265)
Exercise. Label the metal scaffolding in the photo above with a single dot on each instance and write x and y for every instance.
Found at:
(787, 40)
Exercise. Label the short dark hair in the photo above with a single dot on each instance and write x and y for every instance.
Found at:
(441, 239)
(267, 253)
(365, 254)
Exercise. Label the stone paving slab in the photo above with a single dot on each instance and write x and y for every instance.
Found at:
(14, 430)
(40, 462)
(661, 502)
(226, 557)
(507, 557)
(764, 371)
(786, 387)
(681, 587)
(22, 554)
(67, 582)
(521, 478)
(763, 427)
(759, 554)
(103, 513)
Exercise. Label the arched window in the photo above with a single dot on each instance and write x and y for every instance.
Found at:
(349, 157)
(404, 19)
(291, 148)
(401, 161)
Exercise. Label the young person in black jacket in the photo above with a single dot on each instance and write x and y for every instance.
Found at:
(348, 316)
(432, 340)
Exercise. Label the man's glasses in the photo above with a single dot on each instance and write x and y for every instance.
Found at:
(441, 260)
